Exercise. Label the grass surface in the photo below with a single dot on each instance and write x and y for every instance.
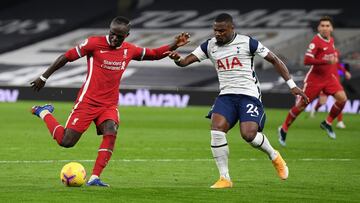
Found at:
(163, 155)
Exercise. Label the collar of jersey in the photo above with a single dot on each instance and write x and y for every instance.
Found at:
(235, 34)
(326, 40)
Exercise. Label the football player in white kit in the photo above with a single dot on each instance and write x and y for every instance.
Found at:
(240, 98)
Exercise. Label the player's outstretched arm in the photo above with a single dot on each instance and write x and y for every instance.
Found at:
(182, 62)
(284, 72)
(39, 83)
(180, 40)
(163, 51)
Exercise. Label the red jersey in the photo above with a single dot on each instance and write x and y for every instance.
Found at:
(105, 66)
(317, 55)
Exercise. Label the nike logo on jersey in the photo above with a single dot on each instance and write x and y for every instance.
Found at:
(103, 51)
(325, 48)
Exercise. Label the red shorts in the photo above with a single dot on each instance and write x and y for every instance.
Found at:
(83, 114)
(313, 89)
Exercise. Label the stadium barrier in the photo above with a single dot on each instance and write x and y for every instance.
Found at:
(163, 98)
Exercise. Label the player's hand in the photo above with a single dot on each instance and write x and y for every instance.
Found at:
(347, 75)
(333, 60)
(37, 84)
(182, 39)
(297, 91)
(173, 55)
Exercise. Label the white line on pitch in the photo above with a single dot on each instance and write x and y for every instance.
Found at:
(156, 160)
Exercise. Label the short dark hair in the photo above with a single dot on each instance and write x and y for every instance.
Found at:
(224, 17)
(326, 18)
(121, 20)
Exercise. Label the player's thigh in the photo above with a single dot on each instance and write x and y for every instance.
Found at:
(223, 113)
(80, 118)
(312, 90)
(251, 115)
(334, 87)
(107, 121)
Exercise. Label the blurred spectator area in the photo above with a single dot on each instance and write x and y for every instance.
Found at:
(34, 32)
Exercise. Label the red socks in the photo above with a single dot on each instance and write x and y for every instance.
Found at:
(293, 113)
(55, 129)
(335, 111)
(340, 117)
(104, 154)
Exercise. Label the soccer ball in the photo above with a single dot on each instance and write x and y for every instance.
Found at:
(73, 174)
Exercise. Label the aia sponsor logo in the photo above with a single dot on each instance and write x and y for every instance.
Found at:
(228, 63)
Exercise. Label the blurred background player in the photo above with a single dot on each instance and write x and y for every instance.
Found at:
(240, 98)
(107, 58)
(343, 74)
(322, 77)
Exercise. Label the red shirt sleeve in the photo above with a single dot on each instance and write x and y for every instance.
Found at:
(308, 60)
(150, 54)
(86, 47)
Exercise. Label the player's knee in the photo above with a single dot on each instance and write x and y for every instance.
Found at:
(343, 99)
(110, 128)
(219, 127)
(112, 132)
(67, 144)
(248, 134)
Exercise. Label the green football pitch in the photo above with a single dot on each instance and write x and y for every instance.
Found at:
(163, 155)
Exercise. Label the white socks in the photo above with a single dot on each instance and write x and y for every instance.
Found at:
(260, 141)
(92, 177)
(44, 113)
(220, 151)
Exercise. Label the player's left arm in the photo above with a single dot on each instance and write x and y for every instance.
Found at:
(163, 51)
(284, 72)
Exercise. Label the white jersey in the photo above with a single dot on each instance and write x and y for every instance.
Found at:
(234, 63)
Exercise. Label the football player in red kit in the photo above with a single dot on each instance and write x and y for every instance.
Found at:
(345, 74)
(322, 77)
(107, 59)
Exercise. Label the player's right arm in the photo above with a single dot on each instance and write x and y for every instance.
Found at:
(182, 62)
(39, 82)
(199, 54)
(310, 56)
(71, 55)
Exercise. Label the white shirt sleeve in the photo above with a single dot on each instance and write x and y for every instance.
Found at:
(199, 53)
(262, 50)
